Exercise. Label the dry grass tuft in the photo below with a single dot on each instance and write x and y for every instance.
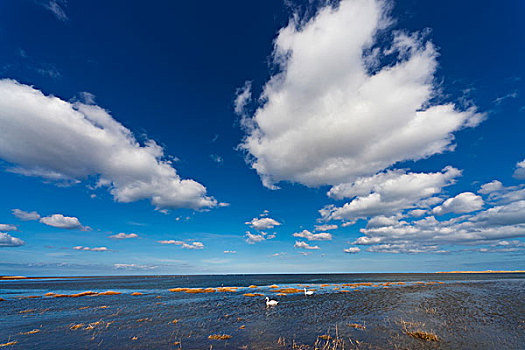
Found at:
(325, 337)
(76, 326)
(34, 331)
(253, 295)
(27, 311)
(325, 285)
(50, 294)
(219, 336)
(242, 327)
(175, 321)
(193, 290)
(252, 286)
(144, 320)
(134, 338)
(226, 289)
(30, 297)
(8, 343)
(103, 307)
(137, 293)
(83, 307)
(92, 325)
(274, 286)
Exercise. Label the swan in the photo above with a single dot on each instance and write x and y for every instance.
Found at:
(308, 292)
(271, 302)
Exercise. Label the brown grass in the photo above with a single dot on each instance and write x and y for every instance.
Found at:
(34, 331)
(175, 321)
(77, 295)
(193, 290)
(226, 289)
(8, 343)
(103, 307)
(92, 325)
(325, 337)
(288, 290)
(252, 286)
(253, 295)
(274, 286)
(144, 320)
(30, 297)
(76, 326)
(242, 327)
(137, 293)
(83, 307)
(325, 285)
(219, 336)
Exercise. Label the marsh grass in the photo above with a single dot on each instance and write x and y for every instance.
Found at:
(414, 330)
(14, 342)
(76, 326)
(34, 331)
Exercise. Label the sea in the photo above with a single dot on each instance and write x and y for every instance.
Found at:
(345, 311)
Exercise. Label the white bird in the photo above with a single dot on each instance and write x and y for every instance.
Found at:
(308, 292)
(271, 302)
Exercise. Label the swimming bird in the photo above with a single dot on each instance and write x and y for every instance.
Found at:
(308, 292)
(271, 302)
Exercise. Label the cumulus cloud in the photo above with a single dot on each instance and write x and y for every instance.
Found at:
(230, 252)
(321, 236)
(304, 245)
(124, 235)
(519, 173)
(8, 227)
(65, 222)
(242, 98)
(465, 202)
(193, 245)
(6, 240)
(490, 187)
(263, 223)
(26, 216)
(352, 250)
(47, 137)
(258, 237)
(331, 115)
(327, 227)
(95, 249)
(387, 193)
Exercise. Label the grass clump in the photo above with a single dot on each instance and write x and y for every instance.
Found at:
(357, 326)
(137, 293)
(427, 336)
(76, 326)
(219, 336)
(288, 290)
(253, 295)
(34, 331)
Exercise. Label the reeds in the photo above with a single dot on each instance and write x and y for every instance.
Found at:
(34, 331)
(357, 326)
(76, 326)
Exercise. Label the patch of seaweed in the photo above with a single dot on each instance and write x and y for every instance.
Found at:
(288, 290)
(8, 343)
(219, 336)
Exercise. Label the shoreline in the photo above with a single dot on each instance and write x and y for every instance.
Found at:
(13, 278)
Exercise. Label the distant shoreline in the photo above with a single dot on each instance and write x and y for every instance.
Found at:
(11, 278)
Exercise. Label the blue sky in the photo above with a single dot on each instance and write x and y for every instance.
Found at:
(258, 137)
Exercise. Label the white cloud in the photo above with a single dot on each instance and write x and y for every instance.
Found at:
(8, 227)
(65, 222)
(322, 236)
(194, 245)
(6, 240)
(327, 227)
(326, 119)
(124, 235)
(216, 158)
(134, 267)
(491, 187)
(242, 98)
(26, 216)
(352, 250)
(387, 193)
(95, 249)
(230, 252)
(465, 202)
(47, 137)
(254, 238)
(224, 204)
(263, 223)
(519, 173)
(55, 6)
(304, 245)
(417, 213)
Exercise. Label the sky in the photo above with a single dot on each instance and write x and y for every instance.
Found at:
(261, 137)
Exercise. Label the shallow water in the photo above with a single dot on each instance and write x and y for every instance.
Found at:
(467, 311)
